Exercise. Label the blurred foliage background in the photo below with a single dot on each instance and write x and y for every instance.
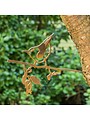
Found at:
(18, 33)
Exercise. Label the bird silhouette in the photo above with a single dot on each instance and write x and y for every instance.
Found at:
(42, 47)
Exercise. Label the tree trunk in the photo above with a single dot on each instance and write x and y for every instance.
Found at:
(79, 28)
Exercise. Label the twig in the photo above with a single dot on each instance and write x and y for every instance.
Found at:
(44, 66)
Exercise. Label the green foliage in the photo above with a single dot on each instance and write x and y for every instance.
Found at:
(87, 96)
(22, 32)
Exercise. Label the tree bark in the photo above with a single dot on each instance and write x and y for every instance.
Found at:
(79, 28)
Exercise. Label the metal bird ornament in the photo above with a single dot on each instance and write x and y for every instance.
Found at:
(28, 79)
(41, 48)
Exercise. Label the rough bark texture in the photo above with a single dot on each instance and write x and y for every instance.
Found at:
(79, 28)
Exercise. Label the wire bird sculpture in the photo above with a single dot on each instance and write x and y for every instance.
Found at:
(27, 80)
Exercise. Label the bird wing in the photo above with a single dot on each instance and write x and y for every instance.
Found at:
(42, 47)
